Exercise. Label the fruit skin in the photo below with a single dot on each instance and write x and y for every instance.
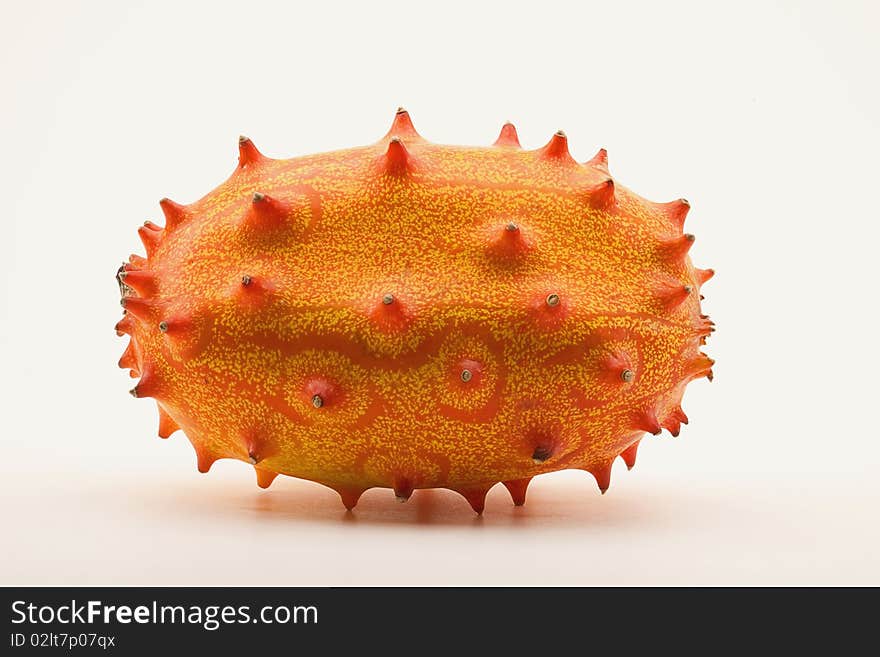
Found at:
(409, 315)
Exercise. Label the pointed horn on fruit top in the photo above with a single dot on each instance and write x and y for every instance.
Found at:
(556, 149)
(397, 161)
(350, 495)
(676, 249)
(509, 242)
(402, 126)
(599, 161)
(140, 280)
(248, 155)
(676, 211)
(517, 489)
(175, 213)
(151, 237)
(704, 275)
(508, 137)
(124, 326)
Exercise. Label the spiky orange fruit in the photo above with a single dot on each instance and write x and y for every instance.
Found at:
(409, 315)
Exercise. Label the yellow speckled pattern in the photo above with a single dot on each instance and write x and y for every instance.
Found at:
(410, 315)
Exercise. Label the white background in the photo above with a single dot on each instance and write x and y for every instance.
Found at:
(764, 115)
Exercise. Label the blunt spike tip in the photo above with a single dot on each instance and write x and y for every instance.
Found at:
(141, 309)
(248, 155)
(508, 138)
(676, 249)
(402, 126)
(557, 149)
(151, 238)
(397, 160)
(509, 242)
(204, 459)
(148, 386)
(141, 281)
(175, 213)
(599, 161)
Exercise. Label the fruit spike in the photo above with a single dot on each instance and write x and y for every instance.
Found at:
(517, 489)
(266, 212)
(265, 477)
(601, 195)
(508, 137)
(409, 315)
(248, 155)
(141, 281)
(475, 496)
(703, 275)
(599, 160)
(141, 309)
(124, 326)
(397, 160)
(167, 425)
(151, 237)
(676, 249)
(402, 126)
(629, 455)
(557, 149)
(602, 473)
(677, 211)
(128, 361)
(350, 495)
(175, 214)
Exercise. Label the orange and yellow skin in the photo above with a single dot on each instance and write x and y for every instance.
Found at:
(409, 315)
